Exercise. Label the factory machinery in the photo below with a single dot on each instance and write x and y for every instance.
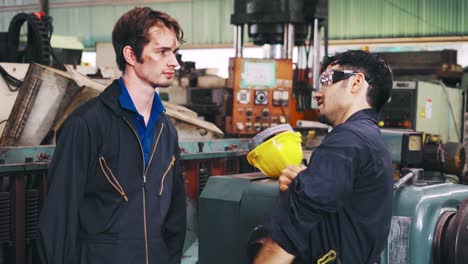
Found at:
(426, 106)
(430, 217)
(429, 223)
(261, 93)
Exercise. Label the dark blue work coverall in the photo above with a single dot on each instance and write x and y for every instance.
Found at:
(342, 203)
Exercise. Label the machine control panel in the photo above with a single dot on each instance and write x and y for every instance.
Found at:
(262, 89)
(400, 110)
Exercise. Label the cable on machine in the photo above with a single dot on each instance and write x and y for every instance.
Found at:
(39, 32)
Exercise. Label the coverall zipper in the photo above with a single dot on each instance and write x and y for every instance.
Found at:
(144, 179)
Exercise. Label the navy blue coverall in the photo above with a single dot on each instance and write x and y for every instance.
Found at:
(342, 202)
(105, 205)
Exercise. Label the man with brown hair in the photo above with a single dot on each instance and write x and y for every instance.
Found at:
(116, 192)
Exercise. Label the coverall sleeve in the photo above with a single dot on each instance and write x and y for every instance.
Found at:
(58, 223)
(176, 222)
(319, 190)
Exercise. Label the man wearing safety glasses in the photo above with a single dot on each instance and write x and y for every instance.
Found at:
(339, 208)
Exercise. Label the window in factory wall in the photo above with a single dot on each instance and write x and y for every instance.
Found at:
(216, 58)
(219, 58)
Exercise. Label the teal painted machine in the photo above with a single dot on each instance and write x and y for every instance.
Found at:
(230, 209)
(421, 217)
(429, 224)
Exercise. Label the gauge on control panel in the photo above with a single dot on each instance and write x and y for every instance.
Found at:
(243, 97)
(261, 97)
(414, 143)
(280, 97)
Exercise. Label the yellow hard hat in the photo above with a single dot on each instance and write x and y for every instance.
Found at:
(272, 154)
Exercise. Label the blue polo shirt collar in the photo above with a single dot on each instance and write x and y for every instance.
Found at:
(126, 102)
(145, 132)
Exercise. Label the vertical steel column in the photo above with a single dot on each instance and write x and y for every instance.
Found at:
(316, 55)
(291, 40)
(325, 37)
(285, 41)
(239, 40)
(288, 41)
(272, 51)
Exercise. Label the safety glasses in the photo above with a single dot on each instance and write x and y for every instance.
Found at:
(330, 77)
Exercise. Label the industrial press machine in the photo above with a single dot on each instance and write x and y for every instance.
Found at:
(262, 94)
(270, 91)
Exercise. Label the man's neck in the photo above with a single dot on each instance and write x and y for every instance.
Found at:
(351, 111)
(141, 93)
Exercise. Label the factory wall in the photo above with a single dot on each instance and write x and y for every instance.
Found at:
(207, 22)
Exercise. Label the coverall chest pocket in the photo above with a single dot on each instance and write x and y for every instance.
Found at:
(167, 174)
(103, 202)
(106, 172)
(164, 194)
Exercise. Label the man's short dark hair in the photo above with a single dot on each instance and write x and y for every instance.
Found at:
(373, 67)
(132, 29)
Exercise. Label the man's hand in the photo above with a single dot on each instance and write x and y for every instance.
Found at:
(288, 174)
(272, 253)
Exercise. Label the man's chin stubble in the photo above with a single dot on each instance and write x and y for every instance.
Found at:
(324, 119)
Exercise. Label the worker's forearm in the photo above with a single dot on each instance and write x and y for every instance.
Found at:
(272, 253)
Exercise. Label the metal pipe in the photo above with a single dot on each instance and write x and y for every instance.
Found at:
(288, 41)
(291, 40)
(267, 54)
(285, 41)
(272, 51)
(325, 37)
(462, 117)
(403, 180)
(239, 40)
(316, 55)
(416, 173)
